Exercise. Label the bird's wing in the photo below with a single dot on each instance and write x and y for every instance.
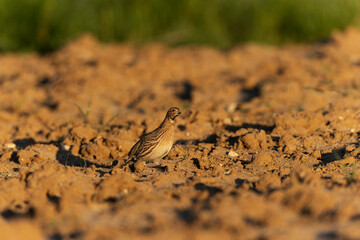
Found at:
(145, 144)
(135, 150)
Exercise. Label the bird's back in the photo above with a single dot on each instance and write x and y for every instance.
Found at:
(153, 145)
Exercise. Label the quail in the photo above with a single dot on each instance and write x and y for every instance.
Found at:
(155, 145)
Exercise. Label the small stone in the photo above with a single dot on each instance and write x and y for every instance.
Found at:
(231, 107)
(10, 145)
(65, 147)
(233, 154)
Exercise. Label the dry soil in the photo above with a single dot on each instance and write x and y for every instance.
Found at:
(267, 146)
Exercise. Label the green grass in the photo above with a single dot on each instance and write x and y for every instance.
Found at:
(85, 116)
(45, 25)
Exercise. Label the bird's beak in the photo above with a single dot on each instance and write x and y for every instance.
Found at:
(179, 113)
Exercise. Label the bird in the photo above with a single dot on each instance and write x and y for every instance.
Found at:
(156, 144)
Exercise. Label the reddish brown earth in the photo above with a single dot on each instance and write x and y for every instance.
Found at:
(267, 146)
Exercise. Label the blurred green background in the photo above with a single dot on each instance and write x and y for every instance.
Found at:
(45, 25)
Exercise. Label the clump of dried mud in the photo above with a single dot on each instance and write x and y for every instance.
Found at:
(267, 147)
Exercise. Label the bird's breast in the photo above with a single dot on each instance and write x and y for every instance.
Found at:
(161, 150)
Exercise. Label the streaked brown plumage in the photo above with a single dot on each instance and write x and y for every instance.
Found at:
(157, 144)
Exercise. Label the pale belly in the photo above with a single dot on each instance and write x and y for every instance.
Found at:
(160, 151)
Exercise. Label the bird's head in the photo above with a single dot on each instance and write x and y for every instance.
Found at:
(172, 113)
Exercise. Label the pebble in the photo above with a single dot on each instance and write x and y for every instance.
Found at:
(233, 154)
(231, 107)
(10, 145)
(65, 147)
